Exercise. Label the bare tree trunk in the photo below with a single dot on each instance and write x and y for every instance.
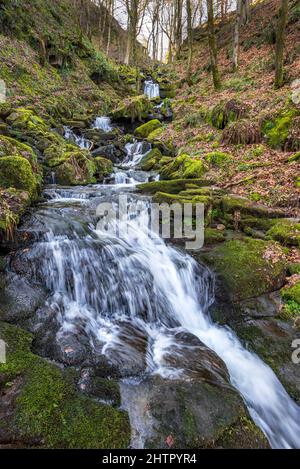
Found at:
(236, 36)
(111, 13)
(178, 26)
(245, 11)
(280, 43)
(190, 40)
(212, 45)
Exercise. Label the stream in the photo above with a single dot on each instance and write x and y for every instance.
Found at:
(138, 304)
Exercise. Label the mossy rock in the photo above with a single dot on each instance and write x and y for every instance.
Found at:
(162, 197)
(143, 131)
(104, 167)
(172, 186)
(135, 108)
(47, 409)
(218, 158)
(184, 167)
(286, 232)
(79, 168)
(233, 203)
(10, 146)
(155, 134)
(151, 160)
(248, 267)
(276, 130)
(13, 203)
(213, 236)
(16, 172)
(22, 118)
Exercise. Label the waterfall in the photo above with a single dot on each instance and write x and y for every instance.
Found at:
(151, 89)
(82, 142)
(117, 291)
(135, 152)
(103, 123)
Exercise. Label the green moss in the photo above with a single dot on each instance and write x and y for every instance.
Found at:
(23, 118)
(135, 108)
(277, 130)
(218, 158)
(225, 112)
(151, 160)
(48, 408)
(104, 166)
(15, 171)
(10, 146)
(184, 167)
(249, 267)
(213, 236)
(143, 131)
(286, 232)
(162, 197)
(171, 186)
(290, 310)
(12, 206)
(294, 157)
(294, 268)
(155, 134)
(78, 169)
(246, 207)
(291, 293)
(242, 434)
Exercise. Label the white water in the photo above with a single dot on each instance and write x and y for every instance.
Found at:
(101, 288)
(151, 89)
(103, 123)
(101, 284)
(135, 153)
(78, 139)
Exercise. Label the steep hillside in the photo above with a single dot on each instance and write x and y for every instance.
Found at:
(247, 134)
(47, 62)
(54, 76)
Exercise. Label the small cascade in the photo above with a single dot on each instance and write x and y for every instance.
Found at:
(82, 142)
(121, 177)
(103, 123)
(53, 180)
(135, 152)
(151, 89)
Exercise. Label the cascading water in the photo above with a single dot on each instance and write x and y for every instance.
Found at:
(103, 123)
(131, 298)
(151, 89)
(135, 152)
(78, 139)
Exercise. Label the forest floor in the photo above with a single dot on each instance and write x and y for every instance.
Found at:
(264, 170)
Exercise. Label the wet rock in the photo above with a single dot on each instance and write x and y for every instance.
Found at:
(19, 299)
(195, 361)
(194, 414)
(271, 339)
(37, 397)
(128, 354)
(106, 390)
(111, 152)
(248, 267)
(262, 306)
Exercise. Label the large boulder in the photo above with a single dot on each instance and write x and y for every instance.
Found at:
(248, 267)
(40, 406)
(189, 414)
(133, 109)
(143, 131)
